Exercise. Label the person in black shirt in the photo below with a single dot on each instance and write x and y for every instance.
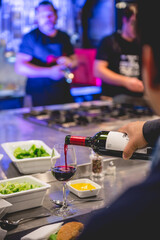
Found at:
(118, 61)
(135, 213)
(43, 55)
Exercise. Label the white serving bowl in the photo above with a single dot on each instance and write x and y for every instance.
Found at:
(30, 165)
(4, 207)
(28, 198)
(84, 193)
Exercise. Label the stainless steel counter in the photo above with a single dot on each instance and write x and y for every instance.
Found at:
(15, 128)
(112, 186)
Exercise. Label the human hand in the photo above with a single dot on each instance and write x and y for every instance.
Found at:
(134, 84)
(134, 130)
(56, 72)
(64, 62)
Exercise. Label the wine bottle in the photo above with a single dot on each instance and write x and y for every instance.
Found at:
(68, 75)
(111, 143)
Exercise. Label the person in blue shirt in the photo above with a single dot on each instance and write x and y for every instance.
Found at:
(135, 213)
(43, 55)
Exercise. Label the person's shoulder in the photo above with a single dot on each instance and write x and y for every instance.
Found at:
(109, 38)
(115, 36)
(31, 37)
(32, 32)
(62, 33)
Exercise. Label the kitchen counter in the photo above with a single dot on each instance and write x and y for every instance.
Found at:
(14, 127)
(112, 186)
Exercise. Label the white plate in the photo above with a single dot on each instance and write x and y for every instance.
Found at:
(30, 165)
(28, 198)
(84, 193)
(43, 232)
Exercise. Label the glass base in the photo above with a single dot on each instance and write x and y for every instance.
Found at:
(64, 212)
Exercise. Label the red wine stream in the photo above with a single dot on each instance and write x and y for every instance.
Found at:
(65, 154)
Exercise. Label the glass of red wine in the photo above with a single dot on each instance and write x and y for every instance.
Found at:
(63, 169)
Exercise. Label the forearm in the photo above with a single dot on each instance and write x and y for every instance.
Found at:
(102, 71)
(151, 131)
(31, 70)
(109, 76)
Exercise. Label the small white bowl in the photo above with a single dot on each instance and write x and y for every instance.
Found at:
(84, 193)
(28, 198)
(30, 165)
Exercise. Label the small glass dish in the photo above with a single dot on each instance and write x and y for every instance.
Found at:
(84, 193)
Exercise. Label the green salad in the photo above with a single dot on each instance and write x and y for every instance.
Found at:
(33, 152)
(9, 187)
(53, 237)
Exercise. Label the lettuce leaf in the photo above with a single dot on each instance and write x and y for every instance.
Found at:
(9, 187)
(53, 237)
(33, 152)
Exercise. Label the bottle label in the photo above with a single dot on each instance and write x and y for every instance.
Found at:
(117, 141)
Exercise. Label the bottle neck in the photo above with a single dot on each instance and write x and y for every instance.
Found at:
(78, 140)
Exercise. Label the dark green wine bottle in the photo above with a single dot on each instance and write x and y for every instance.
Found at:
(109, 143)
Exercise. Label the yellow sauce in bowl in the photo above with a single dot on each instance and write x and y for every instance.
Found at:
(83, 186)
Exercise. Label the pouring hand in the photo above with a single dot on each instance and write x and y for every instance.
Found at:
(134, 130)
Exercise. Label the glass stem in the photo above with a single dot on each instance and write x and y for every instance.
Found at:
(64, 196)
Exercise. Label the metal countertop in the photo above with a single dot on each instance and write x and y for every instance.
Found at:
(15, 128)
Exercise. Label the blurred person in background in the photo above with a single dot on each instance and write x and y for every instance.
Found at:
(135, 213)
(43, 55)
(118, 61)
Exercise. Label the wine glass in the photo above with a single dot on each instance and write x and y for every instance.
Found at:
(63, 169)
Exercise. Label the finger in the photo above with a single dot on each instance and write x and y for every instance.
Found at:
(129, 150)
(122, 129)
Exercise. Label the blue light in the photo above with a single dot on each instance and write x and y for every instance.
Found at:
(81, 91)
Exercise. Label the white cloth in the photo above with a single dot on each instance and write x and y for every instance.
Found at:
(43, 233)
(3, 233)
